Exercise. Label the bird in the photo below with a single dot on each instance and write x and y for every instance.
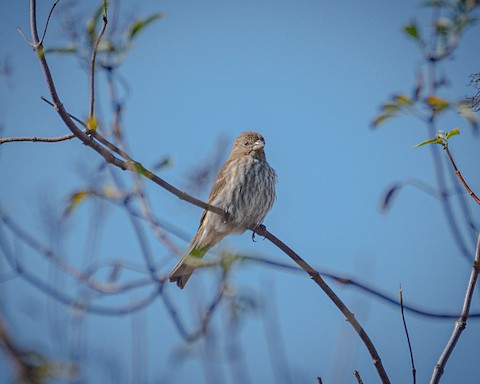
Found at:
(244, 189)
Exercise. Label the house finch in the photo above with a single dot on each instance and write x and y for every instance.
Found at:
(244, 189)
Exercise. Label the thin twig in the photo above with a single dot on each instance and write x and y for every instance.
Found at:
(82, 123)
(96, 135)
(464, 207)
(363, 287)
(207, 316)
(79, 276)
(48, 21)
(357, 376)
(92, 62)
(20, 358)
(470, 192)
(315, 276)
(69, 136)
(410, 350)
(20, 32)
(174, 314)
(461, 322)
(68, 300)
(159, 230)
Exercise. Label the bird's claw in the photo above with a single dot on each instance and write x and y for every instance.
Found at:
(260, 230)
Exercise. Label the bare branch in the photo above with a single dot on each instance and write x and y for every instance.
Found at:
(357, 376)
(79, 276)
(24, 37)
(66, 299)
(48, 20)
(92, 62)
(363, 287)
(414, 371)
(461, 322)
(315, 276)
(72, 116)
(57, 139)
(470, 192)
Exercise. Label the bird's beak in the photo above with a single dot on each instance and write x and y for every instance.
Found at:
(259, 144)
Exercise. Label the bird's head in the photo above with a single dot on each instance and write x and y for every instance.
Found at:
(249, 143)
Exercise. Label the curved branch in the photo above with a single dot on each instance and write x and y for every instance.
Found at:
(67, 299)
(68, 269)
(365, 288)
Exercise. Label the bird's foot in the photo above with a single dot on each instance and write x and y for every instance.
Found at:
(259, 229)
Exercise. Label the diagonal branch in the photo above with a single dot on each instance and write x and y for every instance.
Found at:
(461, 322)
(315, 276)
(462, 180)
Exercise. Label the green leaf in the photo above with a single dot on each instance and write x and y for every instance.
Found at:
(138, 25)
(403, 100)
(436, 140)
(437, 103)
(75, 199)
(412, 30)
(381, 118)
(453, 132)
(390, 107)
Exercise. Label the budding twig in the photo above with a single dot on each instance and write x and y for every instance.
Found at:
(470, 192)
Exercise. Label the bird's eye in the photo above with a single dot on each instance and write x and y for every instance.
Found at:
(246, 143)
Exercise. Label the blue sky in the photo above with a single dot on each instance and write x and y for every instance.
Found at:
(309, 76)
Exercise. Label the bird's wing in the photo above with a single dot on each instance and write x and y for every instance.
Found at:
(219, 184)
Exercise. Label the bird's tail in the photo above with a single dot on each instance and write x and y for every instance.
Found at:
(185, 267)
